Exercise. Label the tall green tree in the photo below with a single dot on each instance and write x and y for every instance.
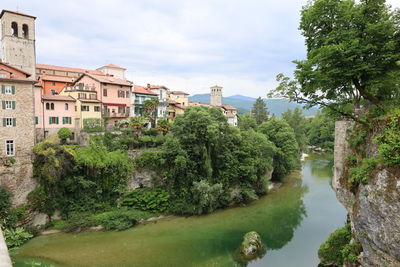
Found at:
(286, 157)
(321, 131)
(298, 122)
(352, 56)
(246, 122)
(260, 111)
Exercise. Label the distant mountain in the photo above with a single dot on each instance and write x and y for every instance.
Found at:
(245, 103)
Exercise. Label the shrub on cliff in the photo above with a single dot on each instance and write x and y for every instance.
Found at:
(330, 252)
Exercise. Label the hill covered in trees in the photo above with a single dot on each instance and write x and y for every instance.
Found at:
(245, 103)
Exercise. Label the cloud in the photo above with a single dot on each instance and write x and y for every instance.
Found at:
(184, 44)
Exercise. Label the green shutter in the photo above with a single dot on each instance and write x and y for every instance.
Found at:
(13, 104)
(3, 103)
(14, 122)
(4, 122)
(36, 120)
(49, 120)
(63, 118)
(13, 89)
(3, 89)
(56, 120)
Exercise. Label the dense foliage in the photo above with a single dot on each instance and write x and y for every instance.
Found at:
(352, 56)
(259, 111)
(148, 199)
(330, 252)
(92, 125)
(286, 157)
(321, 131)
(247, 122)
(298, 122)
(64, 134)
(73, 178)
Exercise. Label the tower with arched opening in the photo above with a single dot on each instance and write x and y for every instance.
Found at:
(216, 96)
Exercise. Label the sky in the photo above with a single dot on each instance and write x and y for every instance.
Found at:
(186, 45)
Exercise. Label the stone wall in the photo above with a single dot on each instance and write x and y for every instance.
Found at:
(142, 177)
(374, 208)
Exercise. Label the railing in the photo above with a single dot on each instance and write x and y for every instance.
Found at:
(115, 114)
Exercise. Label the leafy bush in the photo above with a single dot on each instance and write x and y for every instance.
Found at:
(389, 142)
(59, 224)
(16, 237)
(362, 173)
(5, 205)
(351, 251)
(207, 198)
(148, 159)
(93, 125)
(330, 252)
(120, 219)
(64, 134)
(148, 199)
(78, 222)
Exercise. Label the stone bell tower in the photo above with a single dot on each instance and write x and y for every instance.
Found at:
(18, 41)
(216, 95)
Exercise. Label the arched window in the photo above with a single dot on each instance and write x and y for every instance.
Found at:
(52, 106)
(66, 106)
(47, 106)
(25, 31)
(14, 28)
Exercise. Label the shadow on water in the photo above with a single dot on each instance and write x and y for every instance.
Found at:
(285, 217)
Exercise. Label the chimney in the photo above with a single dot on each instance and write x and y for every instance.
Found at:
(148, 85)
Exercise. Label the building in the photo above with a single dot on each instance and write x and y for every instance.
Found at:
(17, 79)
(174, 109)
(139, 96)
(162, 93)
(216, 96)
(231, 113)
(180, 97)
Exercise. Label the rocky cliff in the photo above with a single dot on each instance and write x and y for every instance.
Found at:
(373, 207)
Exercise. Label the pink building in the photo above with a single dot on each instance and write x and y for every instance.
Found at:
(52, 112)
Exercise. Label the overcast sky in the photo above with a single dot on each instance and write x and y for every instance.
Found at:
(186, 45)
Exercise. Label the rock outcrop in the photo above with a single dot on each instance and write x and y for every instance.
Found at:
(251, 246)
(374, 208)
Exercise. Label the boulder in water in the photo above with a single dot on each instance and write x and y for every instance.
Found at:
(252, 246)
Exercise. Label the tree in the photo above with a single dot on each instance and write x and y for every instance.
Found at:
(163, 126)
(321, 131)
(260, 111)
(64, 134)
(298, 122)
(137, 124)
(352, 56)
(246, 122)
(286, 157)
(149, 107)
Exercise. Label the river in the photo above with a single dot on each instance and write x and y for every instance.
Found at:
(292, 221)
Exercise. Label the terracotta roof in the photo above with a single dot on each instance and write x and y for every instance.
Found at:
(55, 78)
(14, 68)
(61, 68)
(15, 12)
(109, 79)
(156, 87)
(14, 79)
(178, 93)
(141, 90)
(230, 115)
(228, 107)
(113, 66)
(198, 104)
(58, 98)
(176, 104)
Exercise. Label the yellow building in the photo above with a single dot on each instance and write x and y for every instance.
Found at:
(174, 108)
(88, 106)
(180, 97)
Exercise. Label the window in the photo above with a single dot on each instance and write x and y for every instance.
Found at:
(36, 120)
(52, 106)
(97, 109)
(128, 111)
(104, 92)
(121, 109)
(2, 75)
(9, 122)
(25, 31)
(67, 120)
(8, 89)
(47, 106)
(53, 83)
(10, 148)
(121, 93)
(14, 29)
(66, 106)
(82, 95)
(92, 96)
(84, 108)
(53, 91)
(8, 104)
(127, 94)
(53, 120)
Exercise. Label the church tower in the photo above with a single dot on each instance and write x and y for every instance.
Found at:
(18, 41)
(216, 96)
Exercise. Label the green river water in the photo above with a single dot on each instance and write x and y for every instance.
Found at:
(292, 221)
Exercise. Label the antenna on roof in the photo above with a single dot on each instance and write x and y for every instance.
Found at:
(17, 7)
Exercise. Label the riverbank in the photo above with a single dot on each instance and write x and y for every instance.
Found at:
(301, 211)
